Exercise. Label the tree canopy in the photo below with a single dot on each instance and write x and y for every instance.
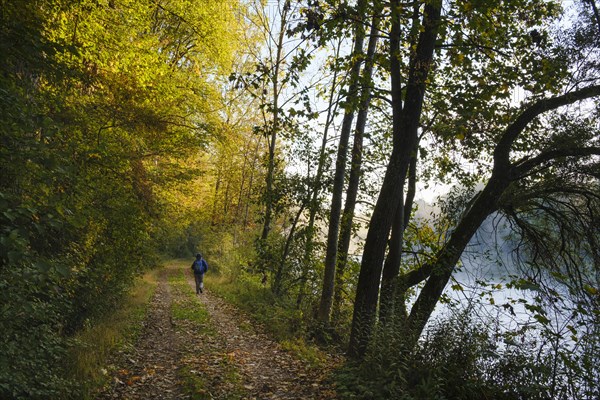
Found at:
(102, 102)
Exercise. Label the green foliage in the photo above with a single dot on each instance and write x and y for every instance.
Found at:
(99, 101)
(34, 304)
(31, 345)
(269, 258)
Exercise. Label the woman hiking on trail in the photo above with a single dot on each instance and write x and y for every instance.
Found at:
(199, 266)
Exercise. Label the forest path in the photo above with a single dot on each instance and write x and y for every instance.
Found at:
(200, 347)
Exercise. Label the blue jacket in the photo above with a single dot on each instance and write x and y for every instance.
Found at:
(200, 266)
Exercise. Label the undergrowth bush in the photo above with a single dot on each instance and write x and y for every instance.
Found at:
(59, 272)
(31, 344)
(459, 358)
(278, 315)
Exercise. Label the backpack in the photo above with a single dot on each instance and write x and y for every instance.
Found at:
(200, 266)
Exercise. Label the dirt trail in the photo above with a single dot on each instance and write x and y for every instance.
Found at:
(231, 359)
(149, 371)
(269, 372)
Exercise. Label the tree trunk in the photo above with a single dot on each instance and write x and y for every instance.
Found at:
(242, 184)
(391, 267)
(448, 256)
(355, 169)
(405, 126)
(338, 180)
(274, 128)
(314, 205)
(278, 280)
(213, 218)
(251, 183)
(226, 200)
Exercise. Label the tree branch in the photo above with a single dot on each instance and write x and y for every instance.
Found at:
(416, 276)
(524, 165)
(512, 132)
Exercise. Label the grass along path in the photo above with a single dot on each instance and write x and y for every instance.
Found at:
(113, 334)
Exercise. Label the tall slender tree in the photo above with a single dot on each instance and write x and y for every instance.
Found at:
(335, 210)
(406, 117)
(314, 205)
(283, 9)
(347, 217)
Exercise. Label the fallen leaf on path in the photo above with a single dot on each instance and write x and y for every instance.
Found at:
(133, 379)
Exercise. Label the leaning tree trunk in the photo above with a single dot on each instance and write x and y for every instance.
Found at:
(448, 256)
(486, 202)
